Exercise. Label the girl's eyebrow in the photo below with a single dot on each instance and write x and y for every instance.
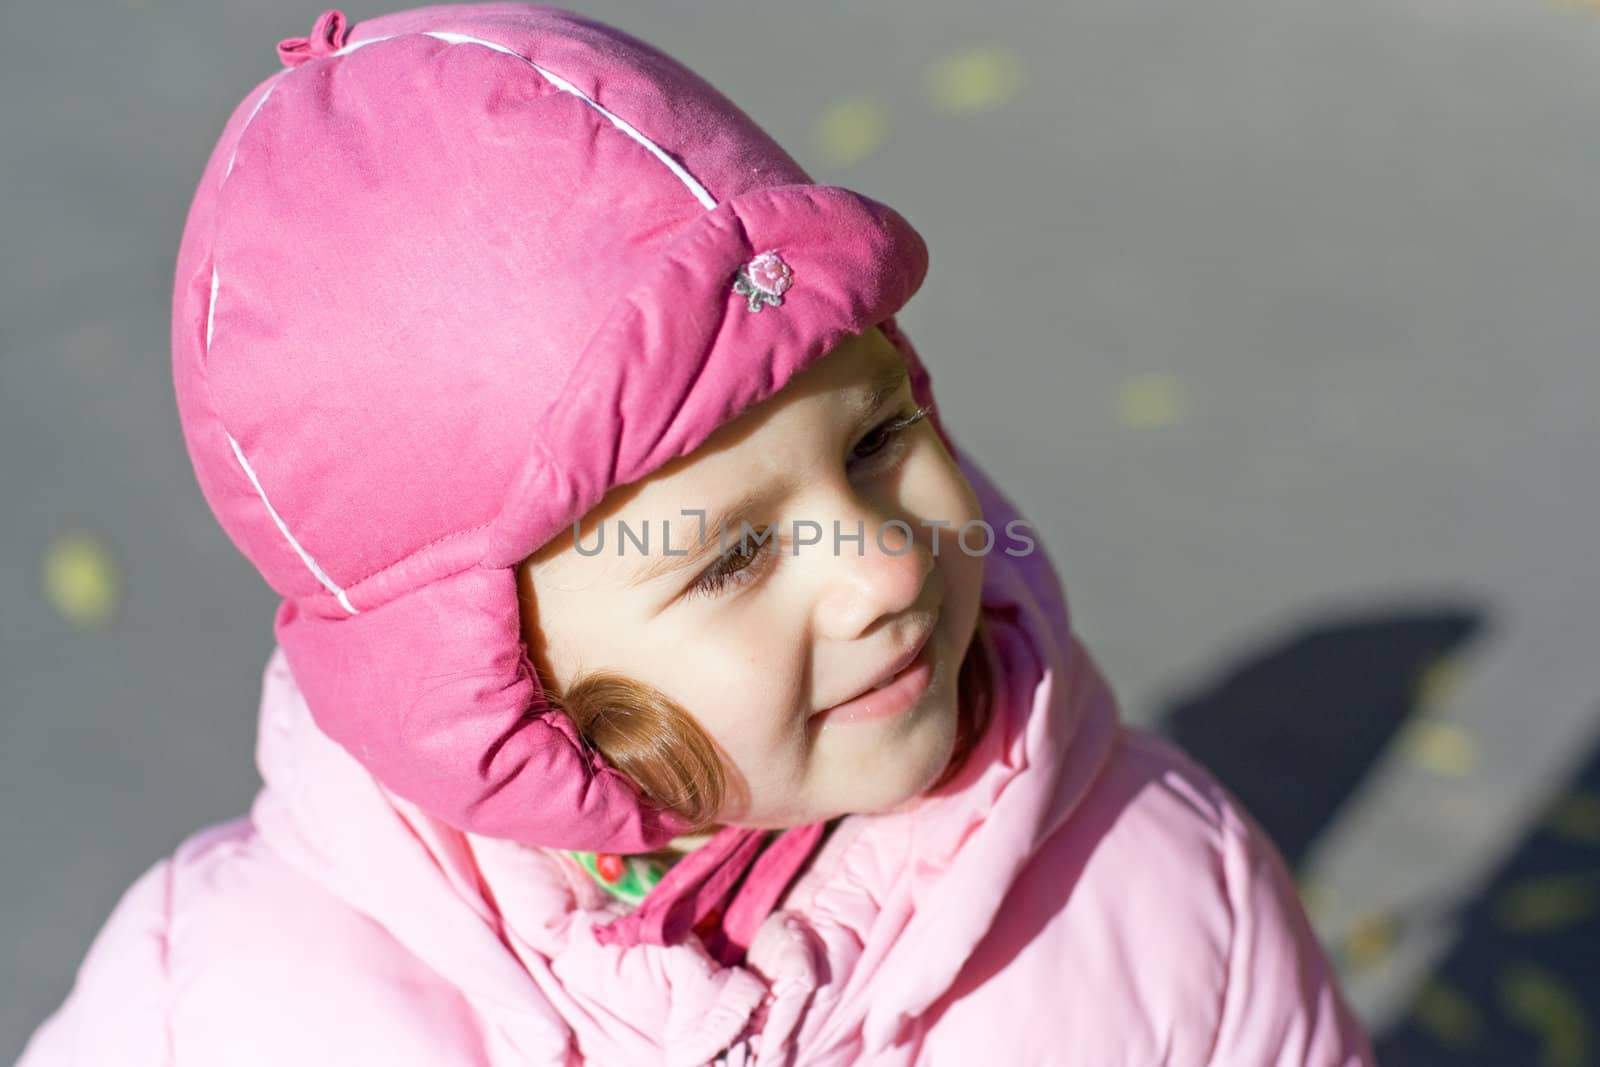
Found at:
(880, 387)
(718, 538)
(722, 531)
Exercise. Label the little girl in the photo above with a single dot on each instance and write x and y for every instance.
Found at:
(655, 680)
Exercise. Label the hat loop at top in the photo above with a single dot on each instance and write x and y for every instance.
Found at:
(327, 35)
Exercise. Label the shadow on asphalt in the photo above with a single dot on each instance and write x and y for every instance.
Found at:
(1294, 730)
(1521, 984)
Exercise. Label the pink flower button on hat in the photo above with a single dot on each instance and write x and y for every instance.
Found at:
(764, 280)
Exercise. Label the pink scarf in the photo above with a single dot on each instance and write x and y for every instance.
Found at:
(699, 885)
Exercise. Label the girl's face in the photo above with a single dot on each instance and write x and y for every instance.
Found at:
(755, 640)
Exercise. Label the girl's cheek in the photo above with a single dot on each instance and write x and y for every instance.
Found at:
(957, 503)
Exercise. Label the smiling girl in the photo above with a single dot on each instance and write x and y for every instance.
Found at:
(463, 289)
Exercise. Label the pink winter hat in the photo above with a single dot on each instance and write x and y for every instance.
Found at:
(448, 277)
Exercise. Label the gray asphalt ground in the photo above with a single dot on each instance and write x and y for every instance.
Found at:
(1278, 317)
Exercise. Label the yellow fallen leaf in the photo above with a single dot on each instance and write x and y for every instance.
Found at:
(1441, 748)
(1145, 401)
(1539, 999)
(976, 79)
(851, 129)
(1549, 902)
(1446, 1013)
(1369, 940)
(1438, 682)
(1576, 817)
(79, 579)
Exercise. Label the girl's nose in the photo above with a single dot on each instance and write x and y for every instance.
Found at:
(876, 568)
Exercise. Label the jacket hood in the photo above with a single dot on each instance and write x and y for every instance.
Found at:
(893, 903)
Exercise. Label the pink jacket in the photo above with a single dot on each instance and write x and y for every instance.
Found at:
(1084, 895)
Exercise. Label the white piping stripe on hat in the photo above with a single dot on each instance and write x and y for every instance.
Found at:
(695, 188)
(211, 315)
(211, 309)
(273, 84)
(322, 575)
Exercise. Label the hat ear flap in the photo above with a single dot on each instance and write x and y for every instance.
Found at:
(433, 692)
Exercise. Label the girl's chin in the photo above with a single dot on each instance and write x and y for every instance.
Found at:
(916, 782)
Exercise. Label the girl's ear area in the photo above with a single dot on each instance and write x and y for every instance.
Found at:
(875, 336)
(533, 636)
(528, 603)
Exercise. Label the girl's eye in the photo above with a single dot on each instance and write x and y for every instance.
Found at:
(750, 557)
(887, 434)
(736, 566)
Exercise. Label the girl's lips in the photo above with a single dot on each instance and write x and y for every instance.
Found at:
(897, 697)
